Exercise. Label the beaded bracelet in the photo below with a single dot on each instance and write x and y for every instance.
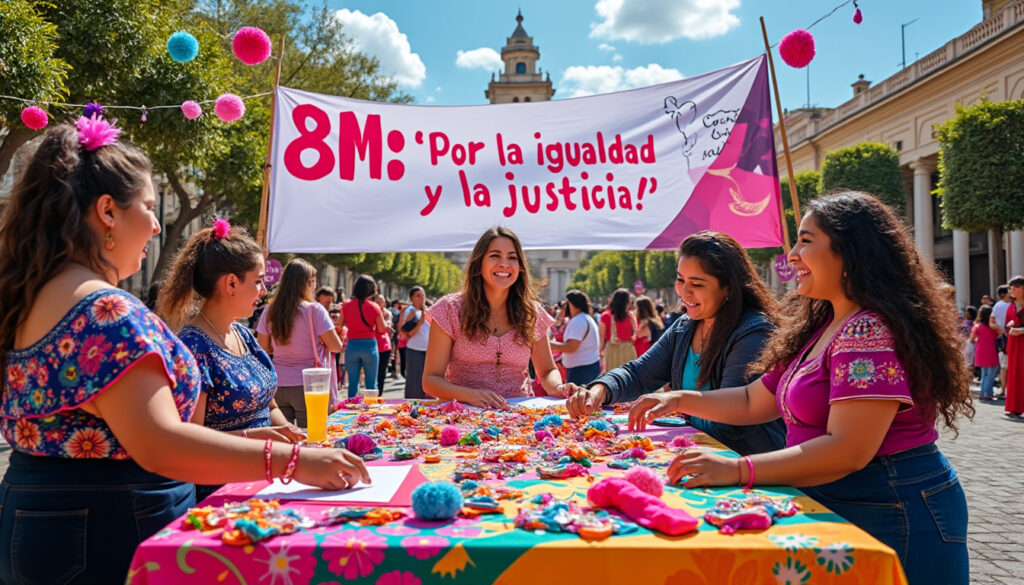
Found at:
(750, 481)
(245, 434)
(292, 462)
(267, 452)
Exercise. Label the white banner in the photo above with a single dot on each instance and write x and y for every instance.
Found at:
(639, 169)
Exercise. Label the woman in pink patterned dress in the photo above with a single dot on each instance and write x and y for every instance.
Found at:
(483, 337)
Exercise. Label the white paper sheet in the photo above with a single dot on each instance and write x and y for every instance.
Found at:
(386, 481)
(536, 401)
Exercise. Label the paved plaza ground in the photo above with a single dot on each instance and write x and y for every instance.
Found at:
(988, 455)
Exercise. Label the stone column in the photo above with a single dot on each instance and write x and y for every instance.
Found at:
(962, 267)
(1016, 253)
(924, 232)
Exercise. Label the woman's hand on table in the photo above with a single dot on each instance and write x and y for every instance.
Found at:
(707, 469)
(582, 401)
(331, 469)
(485, 399)
(649, 407)
(280, 433)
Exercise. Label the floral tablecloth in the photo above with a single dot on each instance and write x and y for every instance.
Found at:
(813, 547)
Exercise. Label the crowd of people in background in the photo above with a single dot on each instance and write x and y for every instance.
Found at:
(993, 348)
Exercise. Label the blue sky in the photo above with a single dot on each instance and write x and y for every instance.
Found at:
(443, 53)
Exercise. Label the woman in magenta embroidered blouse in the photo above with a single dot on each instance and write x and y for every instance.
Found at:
(483, 338)
(97, 391)
(866, 359)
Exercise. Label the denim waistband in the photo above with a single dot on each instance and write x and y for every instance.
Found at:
(926, 449)
(30, 471)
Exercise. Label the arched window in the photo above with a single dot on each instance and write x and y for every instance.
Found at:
(515, 100)
(520, 68)
(526, 99)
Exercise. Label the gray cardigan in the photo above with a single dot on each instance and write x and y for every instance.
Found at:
(664, 361)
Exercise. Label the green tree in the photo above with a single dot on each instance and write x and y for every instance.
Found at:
(808, 184)
(869, 166)
(29, 68)
(981, 167)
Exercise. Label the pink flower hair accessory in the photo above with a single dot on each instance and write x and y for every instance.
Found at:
(221, 229)
(94, 132)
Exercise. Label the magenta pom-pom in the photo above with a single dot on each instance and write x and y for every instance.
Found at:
(683, 441)
(543, 434)
(95, 132)
(858, 17)
(229, 107)
(797, 48)
(634, 453)
(251, 45)
(359, 443)
(34, 117)
(221, 229)
(646, 479)
(191, 109)
(449, 436)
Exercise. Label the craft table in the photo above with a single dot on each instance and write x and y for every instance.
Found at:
(813, 547)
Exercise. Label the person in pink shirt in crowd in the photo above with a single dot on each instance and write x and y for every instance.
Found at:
(365, 320)
(617, 340)
(649, 325)
(860, 374)
(298, 333)
(983, 336)
(483, 337)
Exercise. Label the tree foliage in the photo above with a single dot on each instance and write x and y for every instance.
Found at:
(808, 185)
(981, 167)
(868, 166)
(603, 272)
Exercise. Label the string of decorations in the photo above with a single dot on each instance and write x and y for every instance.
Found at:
(797, 47)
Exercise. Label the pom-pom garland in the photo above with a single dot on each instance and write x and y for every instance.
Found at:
(646, 479)
(797, 48)
(92, 109)
(858, 17)
(191, 109)
(35, 117)
(221, 229)
(449, 436)
(251, 45)
(229, 107)
(95, 132)
(438, 500)
(182, 47)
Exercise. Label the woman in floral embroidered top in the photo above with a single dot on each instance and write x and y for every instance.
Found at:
(97, 391)
(486, 335)
(860, 373)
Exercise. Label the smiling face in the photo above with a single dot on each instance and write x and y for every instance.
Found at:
(500, 265)
(702, 294)
(250, 289)
(134, 227)
(819, 269)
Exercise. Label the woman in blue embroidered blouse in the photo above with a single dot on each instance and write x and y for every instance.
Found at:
(97, 391)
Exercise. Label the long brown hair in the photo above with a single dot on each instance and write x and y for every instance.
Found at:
(883, 273)
(521, 305)
(722, 258)
(198, 267)
(293, 289)
(43, 227)
(645, 310)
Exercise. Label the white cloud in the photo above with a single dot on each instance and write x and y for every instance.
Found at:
(430, 99)
(606, 47)
(482, 58)
(581, 80)
(660, 21)
(378, 36)
(617, 58)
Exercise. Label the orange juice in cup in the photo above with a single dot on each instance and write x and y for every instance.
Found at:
(316, 386)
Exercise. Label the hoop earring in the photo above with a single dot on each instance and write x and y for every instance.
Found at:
(108, 240)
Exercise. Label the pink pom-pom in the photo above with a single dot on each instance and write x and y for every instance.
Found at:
(857, 17)
(229, 107)
(35, 117)
(449, 436)
(634, 453)
(360, 444)
(646, 479)
(251, 45)
(543, 434)
(191, 109)
(95, 132)
(797, 48)
(221, 229)
(683, 441)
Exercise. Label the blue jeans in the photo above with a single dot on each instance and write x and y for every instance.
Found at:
(80, 520)
(913, 502)
(583, 375)
(361, 354)
(988, 380)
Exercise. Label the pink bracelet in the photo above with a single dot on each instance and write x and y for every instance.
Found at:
(750, 480)
(290, 469)
(245, 434)
(267, 452)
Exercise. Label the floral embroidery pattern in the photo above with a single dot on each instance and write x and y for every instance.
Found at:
(836, 558)
(861, 372)
(89, 349)
(793, 572)
(360, 551)
(794, 542)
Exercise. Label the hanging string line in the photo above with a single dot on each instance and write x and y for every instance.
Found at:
(831, 12)
(106, 107)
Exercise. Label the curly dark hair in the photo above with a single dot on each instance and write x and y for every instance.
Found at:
(884, 274)
(521, 305)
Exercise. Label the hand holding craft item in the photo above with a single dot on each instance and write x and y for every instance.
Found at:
(643, 508)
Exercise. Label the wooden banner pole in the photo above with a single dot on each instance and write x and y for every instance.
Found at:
(261, 232)
(785, 143)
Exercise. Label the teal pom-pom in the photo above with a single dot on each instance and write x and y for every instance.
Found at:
(438, 500)
(182, 47)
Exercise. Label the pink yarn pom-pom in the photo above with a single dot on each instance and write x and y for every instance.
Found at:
(251, 45)
(360, 444)
(646, 479)
(857, 17)
(35, 117)
(229, 107)
(449, 436)
(635, 453)
(683, 441)
(221, 229)
(191, 109)
(797, 48)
